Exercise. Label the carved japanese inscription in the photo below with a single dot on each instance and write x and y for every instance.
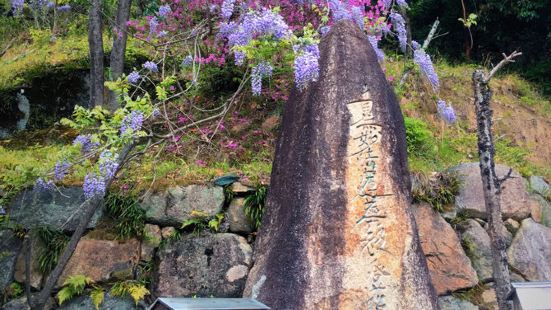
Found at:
(367, 193)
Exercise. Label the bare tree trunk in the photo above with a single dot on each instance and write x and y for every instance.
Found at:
(492, 188)
(490, 182)
(95, 43)
(90, 206)
(119, 46)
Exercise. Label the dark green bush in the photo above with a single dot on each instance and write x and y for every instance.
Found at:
(129, 217)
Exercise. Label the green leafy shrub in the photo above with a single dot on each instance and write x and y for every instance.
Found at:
(438, 191)
(129, 217)
(201, 223)
(54, 242)
(419, 138)
(254, 205)
(14, 290)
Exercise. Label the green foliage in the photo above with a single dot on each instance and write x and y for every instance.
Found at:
(173, 237)
(132, 288)
(501, 27)
(72, 287)
(254, 205)
(419, 138)
(12, 291)
(53, 243)
(200, 222)
(470, 21)
(197, 224)
(438, 191)
(97, 295)
(20, 168)
(214, 223)
(129, 217)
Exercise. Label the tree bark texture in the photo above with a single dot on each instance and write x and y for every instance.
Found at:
(492, 188)
(95, 43)
(119, 47)
(90, 207)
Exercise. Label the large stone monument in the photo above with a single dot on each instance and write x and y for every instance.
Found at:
(338, 232)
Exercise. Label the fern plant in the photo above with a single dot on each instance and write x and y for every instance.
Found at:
(254, 206)
(72, 287)
(132, 288)
(97, 295)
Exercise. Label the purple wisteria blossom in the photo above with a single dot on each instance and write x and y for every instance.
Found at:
(263, 69)
(227, 9)
(375, 45)
(306, 65)
(64, 8)
(339, 10)
(17, 6)
(40, 185)
(387, 4)
(324, 30)
(61, 169)
(133, 77)
(132, 122)
(252, 25)
(153, 25)
(86, 143)
(400, 27)
(151, 66)
(108, 164)
(402, 3)
(93, 185)
(165, 10)
(358, 17)
(188, 61)
(446, 112)
(424, 62)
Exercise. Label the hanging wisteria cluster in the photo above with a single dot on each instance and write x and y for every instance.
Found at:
(38, 6)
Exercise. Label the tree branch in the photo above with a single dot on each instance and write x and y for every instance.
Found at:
(506, 60)
(90, 207)
(431, 34)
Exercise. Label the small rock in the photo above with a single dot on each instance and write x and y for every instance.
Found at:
(507, 236)
(207, 265)
(477, 245)
(59, 209)
(538, 185)
(109, 303)
(488, 297)
(450, 269)
(240, 189)
(178, 204)
(454, 303)
(470, 200)
(530, 253)
(239, 223)
(9, 249)
(21, 304)
(541, 210)
(168, 232)
(152, 239)
(36, 275)
(102, 260)
(512, 225)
